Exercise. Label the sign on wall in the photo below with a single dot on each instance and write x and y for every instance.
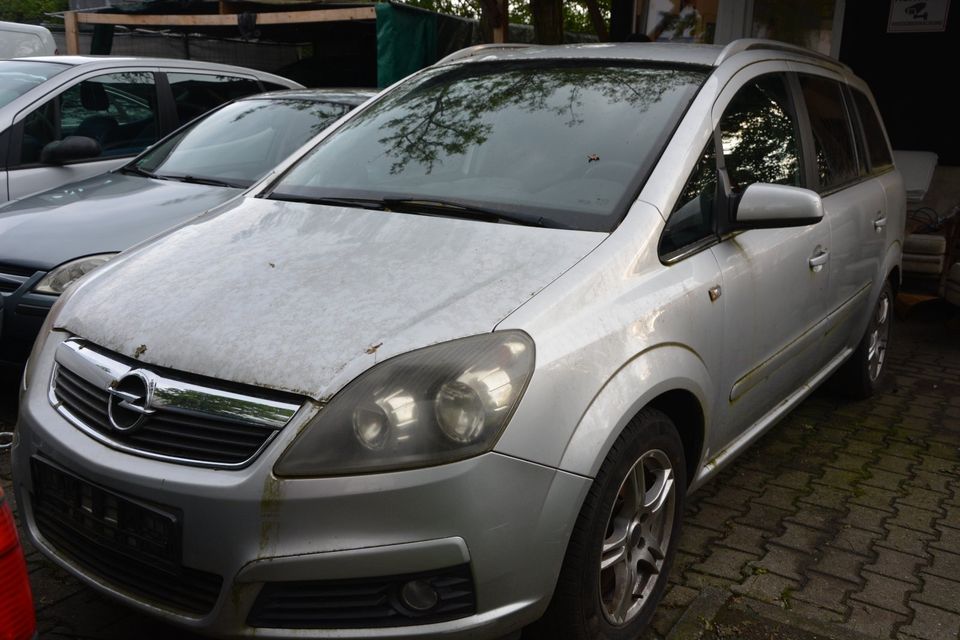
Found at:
(918, 15)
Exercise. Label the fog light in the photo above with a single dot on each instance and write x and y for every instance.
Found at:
(419, 595)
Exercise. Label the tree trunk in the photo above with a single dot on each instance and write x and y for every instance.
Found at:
(547, 21)
(493, 17)
(596, 17)
(621, 20)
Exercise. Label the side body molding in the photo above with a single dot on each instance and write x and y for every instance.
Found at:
(630, 389)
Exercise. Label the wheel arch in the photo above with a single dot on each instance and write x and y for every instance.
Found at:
(891, 266)
(684, 410)
(895, 278)
(681, 393)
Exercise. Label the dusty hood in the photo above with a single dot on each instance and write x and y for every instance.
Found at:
(304, 297)
(109, 212)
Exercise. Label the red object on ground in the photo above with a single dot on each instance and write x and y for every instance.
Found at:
(17, 619)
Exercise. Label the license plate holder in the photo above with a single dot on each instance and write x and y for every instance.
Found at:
(142, 531)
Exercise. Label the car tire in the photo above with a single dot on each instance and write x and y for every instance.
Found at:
(625, 538)
(866, 372)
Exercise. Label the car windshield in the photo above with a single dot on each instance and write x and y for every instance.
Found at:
(19, 76)
(241, 142)
(554, 143)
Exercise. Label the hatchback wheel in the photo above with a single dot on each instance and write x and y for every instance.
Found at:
(624, 541)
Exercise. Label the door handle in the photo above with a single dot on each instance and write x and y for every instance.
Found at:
(819, 259)
(880, 223)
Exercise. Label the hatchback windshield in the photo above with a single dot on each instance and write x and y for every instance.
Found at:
(19, 76)
(542, 142)
(239, 143)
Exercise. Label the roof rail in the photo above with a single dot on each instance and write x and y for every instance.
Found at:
(757, 44)
(481, 49)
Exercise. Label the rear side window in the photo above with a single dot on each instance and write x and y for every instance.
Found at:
(196, 93)
(832, 134)
(877, 150)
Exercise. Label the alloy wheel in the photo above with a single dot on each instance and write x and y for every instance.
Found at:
(879, 337)
(638, 535)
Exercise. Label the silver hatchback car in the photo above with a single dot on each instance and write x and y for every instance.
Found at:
(454, 368)
(66, 118)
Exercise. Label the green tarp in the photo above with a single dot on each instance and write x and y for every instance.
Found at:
(409, 39)
(406, 41)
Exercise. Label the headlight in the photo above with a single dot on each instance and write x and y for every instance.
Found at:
(59, 278)
(435, 405)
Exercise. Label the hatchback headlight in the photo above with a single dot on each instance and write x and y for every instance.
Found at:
(59, 278)
(438, 404)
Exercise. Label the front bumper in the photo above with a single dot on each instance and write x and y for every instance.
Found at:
(507, 519)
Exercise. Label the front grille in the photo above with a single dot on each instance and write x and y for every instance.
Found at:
(159, 414)
(166, 432)
(128, 545)
(361, 603)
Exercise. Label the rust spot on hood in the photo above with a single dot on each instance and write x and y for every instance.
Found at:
(373, 349)
(139, 351)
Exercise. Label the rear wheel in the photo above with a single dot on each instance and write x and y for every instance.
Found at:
(623, 545)
(865, 372)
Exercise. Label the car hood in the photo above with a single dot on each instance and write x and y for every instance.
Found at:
(302, 298)
(106, 213)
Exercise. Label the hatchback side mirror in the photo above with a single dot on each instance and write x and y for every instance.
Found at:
(70, 149)
(771, 206)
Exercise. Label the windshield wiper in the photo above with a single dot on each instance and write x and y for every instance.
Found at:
(459, 210)
(423, 206)
(362, 203)
(137, 171)
(213, 182)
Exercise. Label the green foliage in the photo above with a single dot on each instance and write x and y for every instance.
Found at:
(575, 17)
(29, 10)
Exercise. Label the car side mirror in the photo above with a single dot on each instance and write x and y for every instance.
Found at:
(772, 206)
(70, 149)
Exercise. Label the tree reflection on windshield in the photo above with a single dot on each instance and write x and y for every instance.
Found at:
(565, 142)
(448, 115)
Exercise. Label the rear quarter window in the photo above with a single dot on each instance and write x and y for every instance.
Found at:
(877, 150)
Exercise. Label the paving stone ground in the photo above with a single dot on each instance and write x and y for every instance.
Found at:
(842, 522)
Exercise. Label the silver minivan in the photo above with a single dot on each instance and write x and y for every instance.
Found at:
(453, 369)
(20, 40)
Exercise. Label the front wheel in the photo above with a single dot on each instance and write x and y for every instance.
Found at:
(623, 544)
(865, 372)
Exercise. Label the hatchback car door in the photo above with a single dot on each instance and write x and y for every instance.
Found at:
(774, 280)
(854, 206)
(118, 110)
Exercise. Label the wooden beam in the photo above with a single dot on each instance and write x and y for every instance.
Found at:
(227, 20)
(501, 25)
(72, 33)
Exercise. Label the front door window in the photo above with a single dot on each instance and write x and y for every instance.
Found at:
(118, 110)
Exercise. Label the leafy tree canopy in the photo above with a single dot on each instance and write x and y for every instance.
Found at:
(575, 16)
(29, 10)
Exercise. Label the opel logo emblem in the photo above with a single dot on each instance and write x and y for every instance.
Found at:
(129, 403)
